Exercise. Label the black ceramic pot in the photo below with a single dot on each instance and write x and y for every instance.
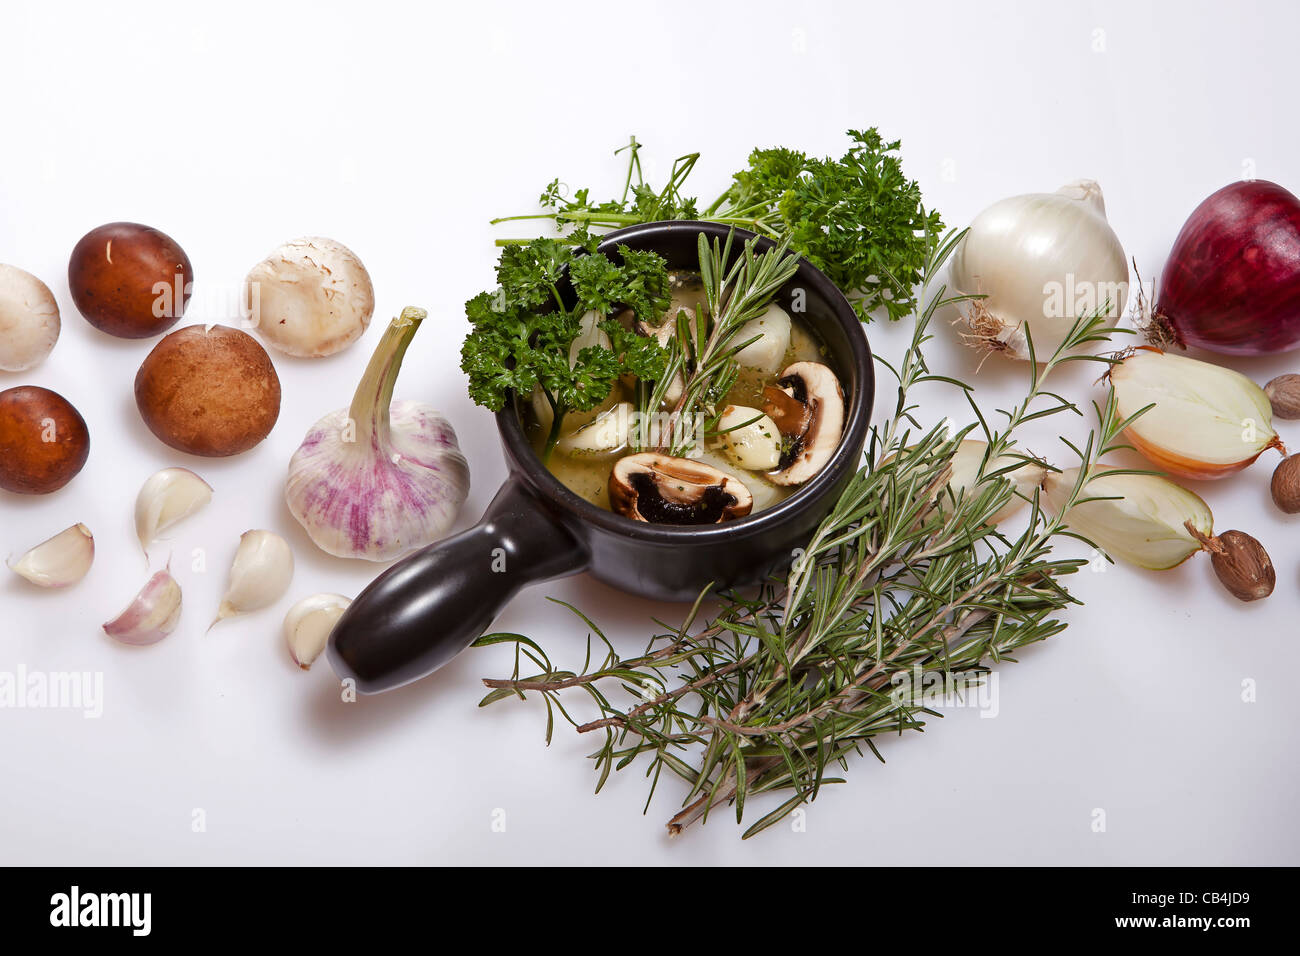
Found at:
(428, 607)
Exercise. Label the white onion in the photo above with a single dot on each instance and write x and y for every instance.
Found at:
(1041, 261)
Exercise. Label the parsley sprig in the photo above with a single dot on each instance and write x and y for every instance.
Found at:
(859, 218)
(524, 330)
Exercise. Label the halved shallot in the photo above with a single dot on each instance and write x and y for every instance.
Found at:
(1156, 524)
(1204, 421)
(966, 476)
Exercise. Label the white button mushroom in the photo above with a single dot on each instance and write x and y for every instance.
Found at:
(767, 354)
(310, 297)
(749, 438)
(29, 320)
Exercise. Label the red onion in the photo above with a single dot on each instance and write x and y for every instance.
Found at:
(1232, 282)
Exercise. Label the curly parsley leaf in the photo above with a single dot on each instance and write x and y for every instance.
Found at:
(859, 218)
(522, 333)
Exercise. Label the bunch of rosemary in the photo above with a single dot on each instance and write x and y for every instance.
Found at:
(773, 689)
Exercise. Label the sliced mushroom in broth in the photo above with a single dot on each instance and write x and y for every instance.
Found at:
(777, 426)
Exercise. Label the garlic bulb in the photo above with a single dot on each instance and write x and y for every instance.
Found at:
(1145, 520)
(167, 497)
(1205, 421)
(308, 624)
(259, 575)
(965, 477)
(384, 477)
(60, 561)
(152, 615)
(1041, 261)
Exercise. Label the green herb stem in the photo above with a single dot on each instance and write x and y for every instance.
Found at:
(369, 411)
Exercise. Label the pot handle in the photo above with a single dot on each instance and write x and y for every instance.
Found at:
(427, 608)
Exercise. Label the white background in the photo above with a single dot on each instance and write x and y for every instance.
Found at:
(400, 130)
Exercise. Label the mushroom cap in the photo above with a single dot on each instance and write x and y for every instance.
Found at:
(807, 405)
(662, 489)
(310, 297)
(29, 320)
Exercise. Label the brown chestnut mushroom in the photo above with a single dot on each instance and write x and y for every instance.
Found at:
(661, 489)
(209, 391)
(44, 441)
(807, 406)
(130, 280)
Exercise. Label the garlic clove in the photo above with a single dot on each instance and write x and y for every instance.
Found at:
(60, 561)
(748, 438)
(764, 492)
(308, 624)
(965, 477)
(152, 615)
(1205, 422)
(673, 393)
(606, 434)
(767, 354)
(165, 498)
(590, 335)
(1144, 519)
(259, 575)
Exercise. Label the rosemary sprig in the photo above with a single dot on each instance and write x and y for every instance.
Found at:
(703, 351)
(779, 686)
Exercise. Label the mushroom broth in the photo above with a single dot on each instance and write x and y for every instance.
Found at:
(591, 443)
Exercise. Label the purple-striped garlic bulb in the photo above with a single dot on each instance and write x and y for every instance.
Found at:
(381, 478)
